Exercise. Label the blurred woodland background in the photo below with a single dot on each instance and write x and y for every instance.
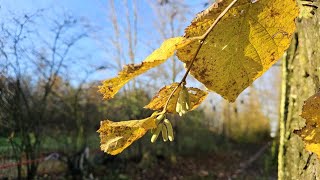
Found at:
(53, 55)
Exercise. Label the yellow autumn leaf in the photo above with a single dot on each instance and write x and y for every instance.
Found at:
(310, 134)
(111, 86)
(159, 100)
(311, 109)
(196, 97)
(116, 136)
(245, 43)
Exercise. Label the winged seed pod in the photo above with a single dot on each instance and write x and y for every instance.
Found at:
(159, 118)
(167, 123)
(179, 108)
(164, 133)
(183, 104)
(155, 135)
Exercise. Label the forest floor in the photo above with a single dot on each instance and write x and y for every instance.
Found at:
(241, 161)
(251, 161)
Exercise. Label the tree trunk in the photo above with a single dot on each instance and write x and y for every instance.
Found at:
(301, 73)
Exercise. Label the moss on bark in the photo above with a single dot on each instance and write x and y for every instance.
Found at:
(301, 80)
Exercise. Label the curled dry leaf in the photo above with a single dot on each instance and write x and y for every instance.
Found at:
(310, 134)
(311, 109)
(116, 136)
(196, 97)
(244, 44)
(159, 100)
(110, 87)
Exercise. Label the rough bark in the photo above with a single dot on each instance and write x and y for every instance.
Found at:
(301, 73)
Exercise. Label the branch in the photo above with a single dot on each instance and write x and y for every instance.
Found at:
(201, 41)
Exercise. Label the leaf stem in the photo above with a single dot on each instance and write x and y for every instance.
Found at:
(201, 39)
(205, 35)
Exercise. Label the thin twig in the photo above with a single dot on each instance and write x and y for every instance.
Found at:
(201, 39)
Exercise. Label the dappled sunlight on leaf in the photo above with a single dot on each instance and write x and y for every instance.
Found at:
(245, 43)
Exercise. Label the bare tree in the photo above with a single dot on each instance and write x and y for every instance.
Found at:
(121, 43)
(170, 22)
(31, 67)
